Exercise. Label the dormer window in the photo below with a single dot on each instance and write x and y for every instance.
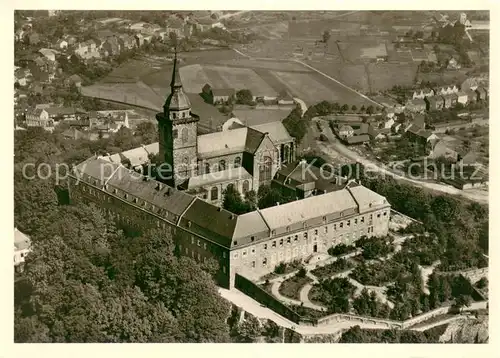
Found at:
(288, 229)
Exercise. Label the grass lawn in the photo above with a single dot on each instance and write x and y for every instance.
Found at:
(291, 287)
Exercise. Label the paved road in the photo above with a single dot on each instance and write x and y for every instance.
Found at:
(337, 146)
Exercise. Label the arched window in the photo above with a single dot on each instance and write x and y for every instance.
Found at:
(222, 165)
(265, 169)
(237, 162)
(246, 186)
(214, 193)
(184, 135)
(230, 186)
(207, 168)
(286, 154)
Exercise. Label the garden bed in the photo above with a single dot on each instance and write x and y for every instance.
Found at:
(336, 267)
(291, 288)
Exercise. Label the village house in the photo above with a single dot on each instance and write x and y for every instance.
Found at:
(482, 93)
(127, 41)
(445, 90)
(422, 137)
(218, 95)
(470, 83)
(61, 44)
(176, 26)
(285, 99)
(39, 117)
(421, 94)
(453, 64)
(447, 101)
(415, 105)
(22, 247)
(397, 128)
(358, 139)
(471, 96)
(434, 103)
(110, 47)
(389, 122)
(462, 97)
(74, 134)
(345, 132)
(70, 39)
(48, 53)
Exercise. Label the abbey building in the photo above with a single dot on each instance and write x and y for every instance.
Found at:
(250, 244)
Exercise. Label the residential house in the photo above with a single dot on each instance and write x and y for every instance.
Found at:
(42, 63)
(388, 123)
(62, 44)
(378, 133)
(285, 99)
(70, 39)
(422, 137)
(397, 127)
(434, 103)
(471, 96)
(358, 139)
(74, 134)
(65, 113)
(22, 247)
(451, 149)
(48, 53)
(82, 49)
(126, 41)
(39, 117)
(74, 80)
(111, 46)
(470, 83)
(453, 64)
(176, 26)
(218, 95)
(418, 120)
(441, 91)
(416, 105)
(462, 97)
(422, 93)
(449, 100)
(139, 39)
(482, 93)
(345, 132)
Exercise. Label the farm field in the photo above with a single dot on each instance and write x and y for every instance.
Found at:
(267, 65)
(254, 117)
(241, 78)
(351, 75)
(384, 76)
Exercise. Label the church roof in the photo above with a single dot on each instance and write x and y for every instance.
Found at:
(222, 143)
(177, 100)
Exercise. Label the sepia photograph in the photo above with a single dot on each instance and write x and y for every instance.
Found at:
(251, 176)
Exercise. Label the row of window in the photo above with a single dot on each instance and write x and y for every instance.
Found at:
(142, 203)
(341, 224)
(281, 242)
(222, 165)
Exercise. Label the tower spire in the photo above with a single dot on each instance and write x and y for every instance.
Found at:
(176, 78)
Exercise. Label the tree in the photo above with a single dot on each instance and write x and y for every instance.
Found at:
(244, 96)
(482, 283)
(147, 131)
(462, 301)
(344, 107)
(369, 109)
(354, 108)
(249, 329)
(326, 36)
(233, 202)
(268, 196)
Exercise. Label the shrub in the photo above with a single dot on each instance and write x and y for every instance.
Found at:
(340, 249)
(302, 272)
(280, 268)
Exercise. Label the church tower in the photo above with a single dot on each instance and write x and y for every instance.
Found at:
(178, 134)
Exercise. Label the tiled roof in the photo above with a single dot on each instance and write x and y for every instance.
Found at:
(253, 140)
(250, 224)
(222, 143)
(53, 111)
(21, 241)
(313, 207)
(358, 139)
(366, 198)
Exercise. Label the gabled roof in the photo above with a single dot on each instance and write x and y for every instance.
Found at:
(21, 240)
(217, 177)
(358, 139)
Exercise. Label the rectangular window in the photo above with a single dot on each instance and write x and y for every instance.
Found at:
(264, 261)
(253, 250)
(355, 221)
(348, 222)
(281, 242)
(273, 233)
(198, 243)
(244, 253)
(305, 235)
(235, 255)
(274, 243)
(334, 226)
(174, 133)
(192, 239)
(326, 229)
(378, 215)
(253, 264)
(204, 245)
(316, 232)
(324, 218)
(265, 246)
(296, 238)
(362, 219)
(385, 213)
(288, 240)
(341, 225)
